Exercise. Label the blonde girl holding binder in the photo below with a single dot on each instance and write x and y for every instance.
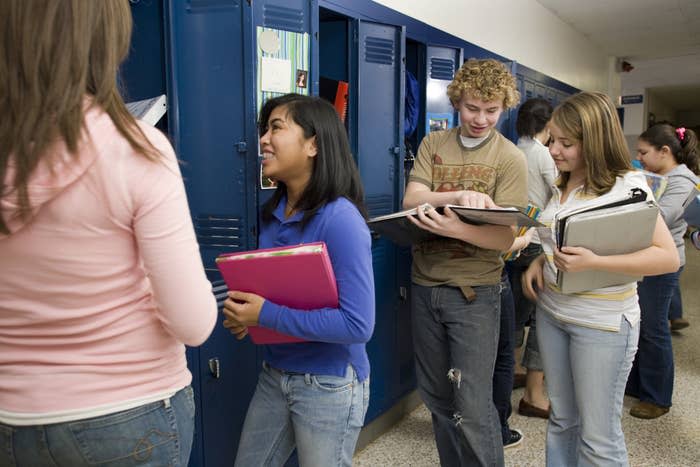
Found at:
(588, 339)
(312, 395)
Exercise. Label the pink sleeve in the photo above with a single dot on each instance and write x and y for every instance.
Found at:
(168, 246)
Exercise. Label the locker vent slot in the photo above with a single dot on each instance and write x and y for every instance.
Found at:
(379, 255)
(378, 205)
(219, 231)
(442, 68)
(199, 6)
(279, 17)
(378, 50)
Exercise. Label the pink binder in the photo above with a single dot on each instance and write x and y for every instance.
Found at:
(297, 276)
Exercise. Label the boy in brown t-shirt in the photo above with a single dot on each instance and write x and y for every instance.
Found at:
(456, 278)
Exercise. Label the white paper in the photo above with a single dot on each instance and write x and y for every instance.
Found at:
(276, 75)
(149, 110)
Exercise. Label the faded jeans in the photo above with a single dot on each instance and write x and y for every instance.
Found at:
(155, 434)
(455, 341)
(320, 415)
(586, 371)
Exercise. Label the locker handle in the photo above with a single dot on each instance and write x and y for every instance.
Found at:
(241, 146)
(396, 150)
(215, 367)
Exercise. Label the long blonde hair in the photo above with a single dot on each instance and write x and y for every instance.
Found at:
(591, 119)
(52, 55)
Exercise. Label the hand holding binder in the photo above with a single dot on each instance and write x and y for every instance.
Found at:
(299, 277)
(612, 226)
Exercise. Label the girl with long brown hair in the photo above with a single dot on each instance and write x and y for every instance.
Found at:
(102, 284)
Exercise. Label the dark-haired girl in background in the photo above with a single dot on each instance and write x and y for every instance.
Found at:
(311, 395)
(672, 152)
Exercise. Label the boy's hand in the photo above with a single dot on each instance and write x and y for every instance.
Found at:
(447, 225)
(532, 279)
(474, 199)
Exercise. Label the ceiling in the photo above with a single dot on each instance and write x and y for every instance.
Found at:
(660, 38)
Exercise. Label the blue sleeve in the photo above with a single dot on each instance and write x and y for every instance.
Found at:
(350, 249)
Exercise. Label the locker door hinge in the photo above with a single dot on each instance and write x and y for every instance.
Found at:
(215, 367)
(241, 146)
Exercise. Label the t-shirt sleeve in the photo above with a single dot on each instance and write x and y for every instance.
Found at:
(422, 171)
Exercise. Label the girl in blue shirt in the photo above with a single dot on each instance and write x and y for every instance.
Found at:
(311, 395)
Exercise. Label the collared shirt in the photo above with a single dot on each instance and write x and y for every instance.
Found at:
(600, 308)
(336, 336)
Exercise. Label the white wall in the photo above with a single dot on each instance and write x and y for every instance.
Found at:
(520, 30)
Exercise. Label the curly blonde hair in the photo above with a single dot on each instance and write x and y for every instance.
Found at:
(485, 79)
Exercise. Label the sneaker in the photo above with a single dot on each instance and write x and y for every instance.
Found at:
(678, 324)
(516, 437)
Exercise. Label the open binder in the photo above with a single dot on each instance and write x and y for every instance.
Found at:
(401, 231)
(615, 226)
(298, 276)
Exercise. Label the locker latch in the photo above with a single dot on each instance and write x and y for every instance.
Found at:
(215, 367)
(241, 146)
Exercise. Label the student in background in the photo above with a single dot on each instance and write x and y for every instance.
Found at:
(311, 395)
(533, 133)
(588, 340)
(102, 284)
(672, 152)
(456, 279)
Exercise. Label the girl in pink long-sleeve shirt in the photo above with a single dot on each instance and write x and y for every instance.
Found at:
(101, 282)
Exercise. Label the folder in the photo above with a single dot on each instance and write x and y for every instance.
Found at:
(298, 276)
(691, 208)
(401, 231)
(609, 230)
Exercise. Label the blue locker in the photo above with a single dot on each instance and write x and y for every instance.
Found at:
(441, 65)
(379, 91)
(211, 126)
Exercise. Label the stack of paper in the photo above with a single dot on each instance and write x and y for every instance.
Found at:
(149, 110)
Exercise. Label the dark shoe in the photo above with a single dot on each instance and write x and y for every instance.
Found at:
(519, 380)
(678, 324)
(516, 437)
(528, 410)
(648, 410)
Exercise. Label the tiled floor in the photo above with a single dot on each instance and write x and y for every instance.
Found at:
(671, 440)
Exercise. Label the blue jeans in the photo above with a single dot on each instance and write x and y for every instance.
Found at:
(319, 415)
(455, 341)
(651, 379)
(505, 359)
(675, 310)
(586, 371)
(525, 311)
(155, 434)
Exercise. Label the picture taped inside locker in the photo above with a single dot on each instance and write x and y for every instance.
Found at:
(282, 66)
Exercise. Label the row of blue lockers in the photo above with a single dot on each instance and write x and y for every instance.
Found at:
(217, 61)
